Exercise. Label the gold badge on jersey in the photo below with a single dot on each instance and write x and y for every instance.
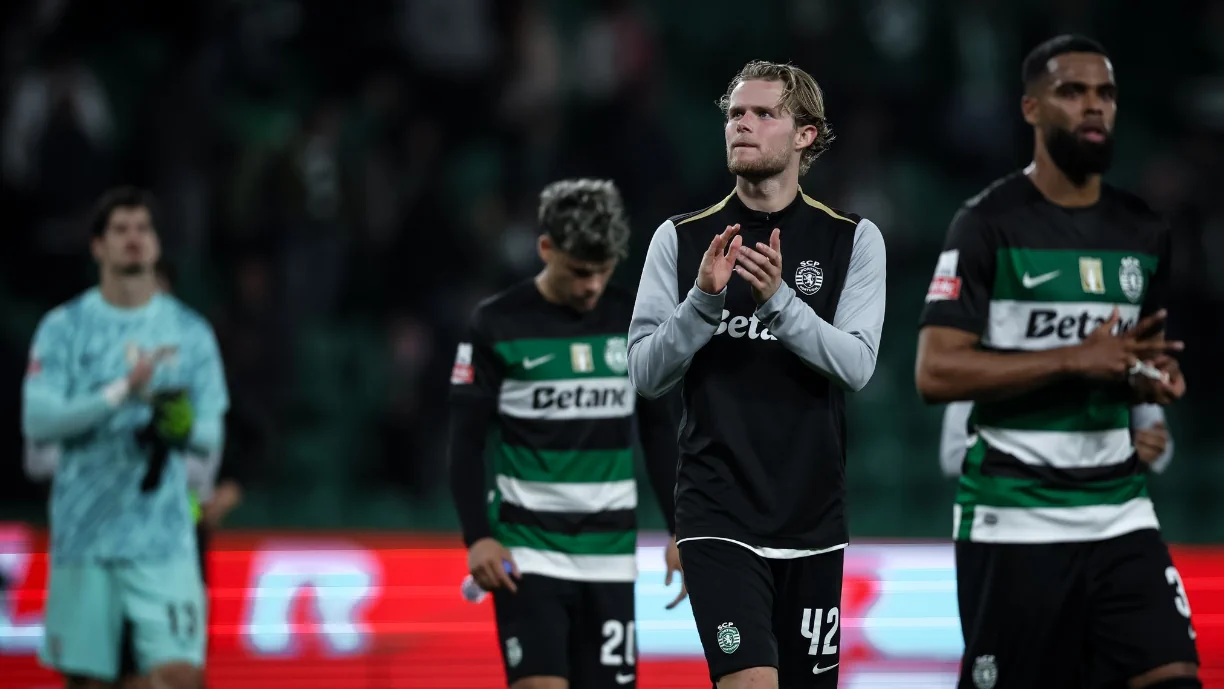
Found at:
(1092, 275)
(581, 359)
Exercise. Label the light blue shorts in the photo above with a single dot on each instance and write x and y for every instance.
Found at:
(87, 605)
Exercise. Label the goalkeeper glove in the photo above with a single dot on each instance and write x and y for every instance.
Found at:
(169, 429)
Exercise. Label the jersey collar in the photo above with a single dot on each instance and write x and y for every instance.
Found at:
(754, 218)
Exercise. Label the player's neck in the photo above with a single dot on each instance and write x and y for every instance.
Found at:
(1057, 187)
(545, 288)
(768, 195)
(128, 291)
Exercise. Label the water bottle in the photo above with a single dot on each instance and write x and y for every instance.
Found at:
(472, 592)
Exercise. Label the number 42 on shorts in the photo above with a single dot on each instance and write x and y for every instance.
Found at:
(812, 627)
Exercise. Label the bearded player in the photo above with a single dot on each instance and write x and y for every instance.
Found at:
(1047, 311)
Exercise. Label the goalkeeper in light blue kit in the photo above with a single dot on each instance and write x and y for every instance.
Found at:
(126, 381)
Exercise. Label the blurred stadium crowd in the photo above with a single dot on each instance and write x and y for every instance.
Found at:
(340, 182)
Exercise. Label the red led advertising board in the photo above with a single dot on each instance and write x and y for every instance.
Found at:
(350, 611)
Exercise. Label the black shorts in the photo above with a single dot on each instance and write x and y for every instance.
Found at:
(582, 631)
(757, 612)
(1063, 615)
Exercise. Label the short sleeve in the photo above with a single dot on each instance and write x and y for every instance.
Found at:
(1157, 294)
(959, 293)
(478, 371)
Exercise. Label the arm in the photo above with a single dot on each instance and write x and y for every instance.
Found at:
(209, 398)
(665, 333)
(41, 460)
(202, 474)
(48, 412)
(1148, 417)
(658, 427)
(953, 442)
(951, 368)
(1173, 386)
(950, 365)
(845, 350)
(475, 384)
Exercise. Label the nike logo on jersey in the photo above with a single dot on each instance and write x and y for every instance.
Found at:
(821, 670)
(529, 364)
(1030, 281)
(625, 679)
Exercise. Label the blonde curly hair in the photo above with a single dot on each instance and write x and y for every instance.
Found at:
(801, 98)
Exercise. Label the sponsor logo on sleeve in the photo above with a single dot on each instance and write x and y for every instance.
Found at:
(463, 373)
(945, 285)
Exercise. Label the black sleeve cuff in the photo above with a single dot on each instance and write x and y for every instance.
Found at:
(967, 323)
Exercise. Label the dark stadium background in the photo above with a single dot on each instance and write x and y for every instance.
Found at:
(341, 181)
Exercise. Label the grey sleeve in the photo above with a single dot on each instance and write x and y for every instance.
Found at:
(41, 460)
(665, 333)
(845, 350)
(954, 439)
(202, 473)
(1145, 416)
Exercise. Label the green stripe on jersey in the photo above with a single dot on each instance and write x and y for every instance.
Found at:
(1001, 509)
(566, 466)
(1063, 408)
(595, 543)
(1114, 277)
(598, 356)
(998, 491)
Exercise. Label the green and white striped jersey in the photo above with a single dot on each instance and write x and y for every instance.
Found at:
(1056, 463)
(565, 493)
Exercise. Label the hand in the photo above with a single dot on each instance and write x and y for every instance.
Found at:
(1150, 443)
(1105, 356)
(762, 267)
(141, 373)
(672, 557)
(485, 562)
(173, 417)
(225, 497)
(719, 259)
(1165, 391)
(169, 429)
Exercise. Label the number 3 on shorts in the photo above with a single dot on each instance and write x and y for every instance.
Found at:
(1180, 600)
(184, 620)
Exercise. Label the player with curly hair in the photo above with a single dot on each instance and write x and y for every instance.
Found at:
(545, 363)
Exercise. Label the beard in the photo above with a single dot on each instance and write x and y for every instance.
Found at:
(132, 269)
(756, 170)
(1078, 158)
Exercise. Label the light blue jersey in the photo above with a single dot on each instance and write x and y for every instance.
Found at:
(75, 396)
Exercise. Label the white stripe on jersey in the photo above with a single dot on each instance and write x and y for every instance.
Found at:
(1057, 524)
(576, 567)
(567, 400)
(1022, 325)
(540, 496)
(1062, 449)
